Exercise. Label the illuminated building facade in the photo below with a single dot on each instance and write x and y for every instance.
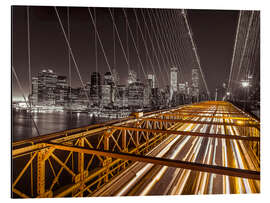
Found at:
(121, 99)
(173, 81)
(95, 89)
(61, 93)
(182, 88)
(108, 79)
(47, 80)
(34, 95)
(151, 80)
(106, 95)
(132, 77)
(195, 82)
(136, 95)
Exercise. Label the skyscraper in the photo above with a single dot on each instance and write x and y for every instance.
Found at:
(49, 89)
(152, 80)
(106, 95)
(108, 78)
(61, 90)
(121, 99)
(182, 88)
(95, 78)
(95, 90)
(136, 95)
(195, 81)
(132, 77)
(46, 87)
(195, 77)
(173, 81)
(34, 95)
(115, 76)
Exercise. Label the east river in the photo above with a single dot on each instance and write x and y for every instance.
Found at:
(23, 126)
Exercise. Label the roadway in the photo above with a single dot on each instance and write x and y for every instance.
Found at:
(149, 179)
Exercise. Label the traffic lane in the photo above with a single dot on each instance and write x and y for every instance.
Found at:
(139, 174)
(218, 179)
(165, 178)
(187, 139)
(217, 160)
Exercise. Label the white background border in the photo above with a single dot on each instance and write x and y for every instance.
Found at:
(5, 81)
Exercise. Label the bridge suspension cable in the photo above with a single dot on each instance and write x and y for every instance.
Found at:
(134, 43)
(72, 55)
(28, 104)
(162, 38)
(234, 50)
(158, 45)
(102, 48)
(29, 52)
(184, 46)
(167, 38)
(245, 45)
(119, 38)
(153, 47)
(174, 42)
(96, 58)
(144, 43)
(185, 43)
(25, 100)
(195, 51)
(69, 59)
(245, 51)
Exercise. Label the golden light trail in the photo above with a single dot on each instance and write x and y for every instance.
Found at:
(142, 178)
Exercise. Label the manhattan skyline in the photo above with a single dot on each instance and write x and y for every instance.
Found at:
(213, 32)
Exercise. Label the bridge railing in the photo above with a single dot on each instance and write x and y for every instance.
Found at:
(44, 168)
(78, 162)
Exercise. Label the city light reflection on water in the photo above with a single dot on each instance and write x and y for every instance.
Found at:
(23, 126)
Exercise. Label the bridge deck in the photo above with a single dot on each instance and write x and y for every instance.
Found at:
(204, 148)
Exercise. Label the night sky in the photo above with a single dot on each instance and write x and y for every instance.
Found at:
(213, 32)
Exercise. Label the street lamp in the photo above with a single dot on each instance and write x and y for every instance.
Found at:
(245, 84)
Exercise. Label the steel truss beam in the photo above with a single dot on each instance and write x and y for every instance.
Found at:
(188, 133)
(65, 133)
(201, 116)
(121, 135)
(202, 122)
(166, 162)
(206, 112)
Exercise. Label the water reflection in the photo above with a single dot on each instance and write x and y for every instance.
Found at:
(24, 128)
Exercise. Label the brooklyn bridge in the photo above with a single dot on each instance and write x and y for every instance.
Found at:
(195, 143)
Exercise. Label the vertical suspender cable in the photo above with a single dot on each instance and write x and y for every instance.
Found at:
(127, 44)
(245, 45)
(155, 55)
(95, 22)
(69, 59)
(26, 102)
(158, 44)
(138, 44)
(119, 38)
(72, 55)
(234, 50)
(172, 37)
(195, 51)
(17, 79)
(134, 43)
(162, 39)
(29, 55)
(29, 71)
(144, 42)
(101, 46)
(114, 57)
